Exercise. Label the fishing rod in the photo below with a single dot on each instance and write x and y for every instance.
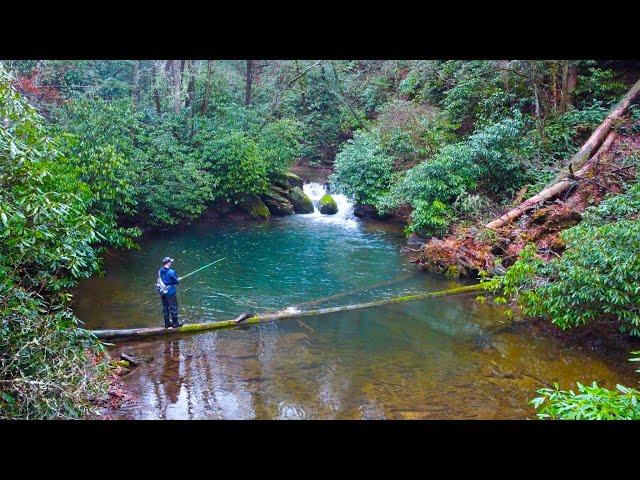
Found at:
(202, 268)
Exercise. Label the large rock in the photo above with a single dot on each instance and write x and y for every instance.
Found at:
(300, 201)
(254, 206)
(286, 180)
(277, 204)
(294, 180)
(223, 206)
(328, 205)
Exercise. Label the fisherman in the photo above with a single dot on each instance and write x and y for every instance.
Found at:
(166, 287)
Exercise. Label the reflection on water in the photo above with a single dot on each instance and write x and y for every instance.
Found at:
(442, 358)
(396, 362)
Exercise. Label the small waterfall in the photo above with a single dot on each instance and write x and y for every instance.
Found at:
(344, 217)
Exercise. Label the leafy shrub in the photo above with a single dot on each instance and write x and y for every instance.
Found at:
(590, 403)
(598, 276)
(487, 155)
(174, 184)
(430, 218)
(235, 163)
(280, 144)
(363, 170)
(46, 244)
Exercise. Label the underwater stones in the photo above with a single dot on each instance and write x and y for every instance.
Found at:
(277, 204)
(254, 206)
(328, 205)
(300, 201)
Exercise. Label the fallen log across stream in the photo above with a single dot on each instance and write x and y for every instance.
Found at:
(133, 333)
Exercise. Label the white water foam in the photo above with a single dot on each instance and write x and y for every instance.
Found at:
(344, 217)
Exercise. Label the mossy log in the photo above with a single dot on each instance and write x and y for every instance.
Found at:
(133, 333)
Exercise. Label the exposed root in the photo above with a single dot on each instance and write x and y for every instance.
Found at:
(468, 250)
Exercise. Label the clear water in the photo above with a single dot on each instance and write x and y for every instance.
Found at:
(443, 358)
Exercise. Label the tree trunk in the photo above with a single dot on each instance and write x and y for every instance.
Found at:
(552, 191)
(135, 84)
(177, 78)
(572, 83)
(191, 85)
(594, 142)
(564, 86)
(207, 91)
(282, 315)
(249, 83)
(156, 93)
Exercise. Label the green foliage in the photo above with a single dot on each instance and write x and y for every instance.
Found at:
(598, 276)
(485, 158)
(97, 138)
(601, 85)
(280, 144)
(363, 171)
(236, 165)
(174, 184)
(46, 244)
(430, 218)
(590, 403)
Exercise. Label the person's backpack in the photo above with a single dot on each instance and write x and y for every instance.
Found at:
(161, 287)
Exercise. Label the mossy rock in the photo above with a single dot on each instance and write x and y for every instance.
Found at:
(328, 205)
(277, 204)
(254, 206)
(300, 201)
(294, 180)
(223, 206)
(286, 180)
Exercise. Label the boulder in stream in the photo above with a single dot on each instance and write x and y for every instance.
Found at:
(328, 205)
(277, 203)
(254, 206)
(286, 180)
(300, 201)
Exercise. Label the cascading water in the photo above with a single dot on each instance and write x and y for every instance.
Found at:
(344, 217)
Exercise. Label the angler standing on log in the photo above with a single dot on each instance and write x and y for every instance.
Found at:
(166, 287)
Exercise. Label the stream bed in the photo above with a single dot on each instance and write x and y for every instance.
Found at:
(437, 359)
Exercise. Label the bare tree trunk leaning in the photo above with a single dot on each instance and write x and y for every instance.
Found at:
(595, 141)
(550, 192)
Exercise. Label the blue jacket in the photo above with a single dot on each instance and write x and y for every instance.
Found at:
(170, 279)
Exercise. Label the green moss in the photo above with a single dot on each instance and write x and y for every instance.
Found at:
(201, 327)
(300, 201)
(453, 271)
(255, 207)
(328, 205)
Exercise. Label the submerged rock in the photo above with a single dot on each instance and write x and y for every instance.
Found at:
(277, 203)
(368, 211)
(300, 201)
(254, 206)
(328, 205)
